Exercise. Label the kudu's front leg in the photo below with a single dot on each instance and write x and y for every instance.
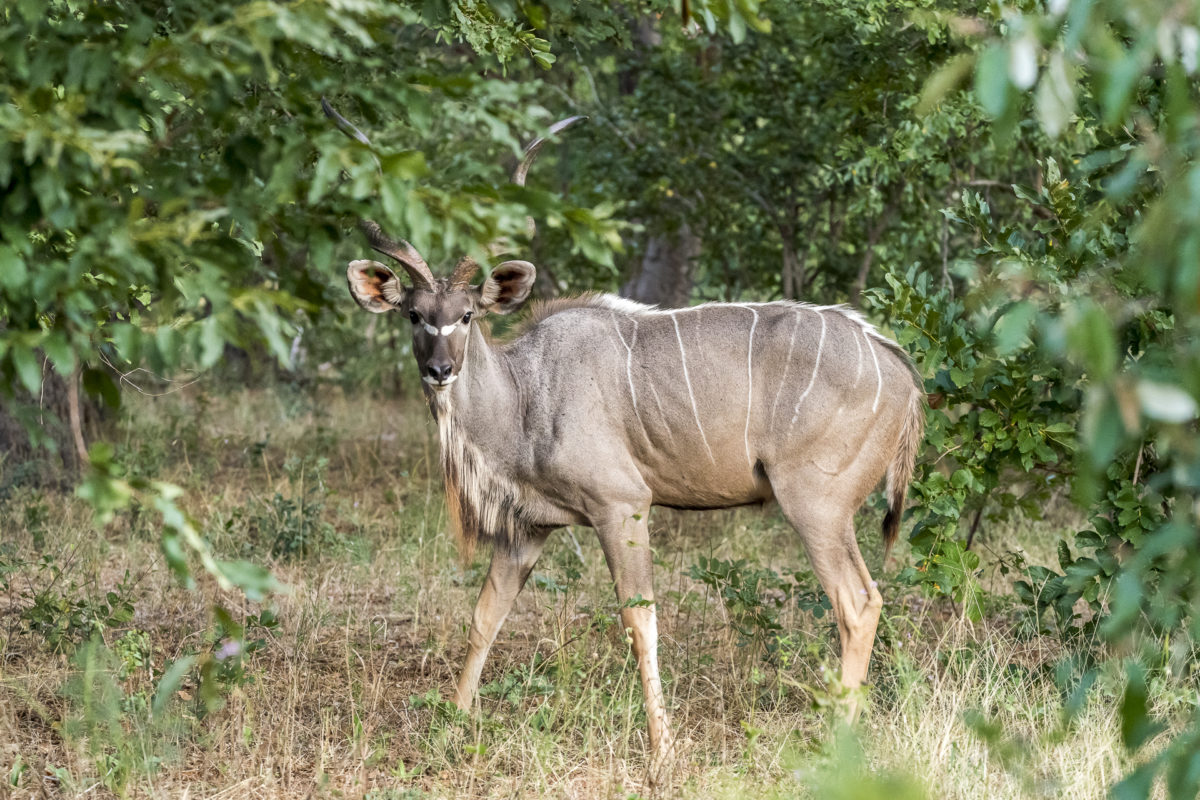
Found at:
(625, 540)
(509, 570)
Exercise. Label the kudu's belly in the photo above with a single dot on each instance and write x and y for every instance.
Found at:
(701, 483)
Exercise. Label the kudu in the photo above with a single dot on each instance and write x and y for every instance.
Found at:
(601, 408)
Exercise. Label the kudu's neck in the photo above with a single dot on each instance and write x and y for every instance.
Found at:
(484, 400)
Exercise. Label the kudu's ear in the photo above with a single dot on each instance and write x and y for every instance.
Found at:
(374, 286)
(507, 287)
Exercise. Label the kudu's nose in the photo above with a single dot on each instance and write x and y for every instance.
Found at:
(439, 370)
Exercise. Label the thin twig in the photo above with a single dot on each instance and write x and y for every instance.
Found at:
(123, 377)
(948, 452)
(946, 282)
(42, 393)
(575, 542)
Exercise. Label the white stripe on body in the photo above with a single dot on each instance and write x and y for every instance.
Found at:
(786, 364)
(816, 367)
(629, 362)
(878, 376)
(661, 413)
(691, 395)
(858, 347)
(750, 385)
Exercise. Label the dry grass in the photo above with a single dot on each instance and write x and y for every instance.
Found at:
(339, 699)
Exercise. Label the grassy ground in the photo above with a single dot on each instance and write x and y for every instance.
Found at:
(337, 692)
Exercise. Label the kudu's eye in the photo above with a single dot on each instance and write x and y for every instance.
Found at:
(414, 317)
(466, 317)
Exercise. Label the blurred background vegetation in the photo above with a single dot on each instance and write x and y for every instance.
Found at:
(1011, 190)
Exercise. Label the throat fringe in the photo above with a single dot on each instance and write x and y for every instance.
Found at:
(481, 502)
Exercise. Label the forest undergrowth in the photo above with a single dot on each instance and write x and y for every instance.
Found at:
(117, 680)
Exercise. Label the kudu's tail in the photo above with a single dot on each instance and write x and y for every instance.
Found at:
(900, 470)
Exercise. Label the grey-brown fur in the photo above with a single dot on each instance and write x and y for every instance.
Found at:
(685, 436)
(600, 408)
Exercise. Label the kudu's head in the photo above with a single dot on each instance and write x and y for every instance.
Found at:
(441, 310)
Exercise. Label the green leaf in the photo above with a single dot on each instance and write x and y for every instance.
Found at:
(28, 370)
(1011, 329)
(12, 269)
(1102, 426)
(212, 342)
(1137, 785)
(1055, 100)
(945, 80)
(58, 348)
(1023, 61)
(255, 580)
(1137, 726)
(737, 27)
(393, 193)
(1091, 338)
(407, 164)
(105, 494)
(169, 683)
(1120, 75)
(991, 81)
(329, 166)
(98, 383)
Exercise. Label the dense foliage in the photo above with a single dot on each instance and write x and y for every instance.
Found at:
(1099, 298)
(171, 186)
(1015, 191)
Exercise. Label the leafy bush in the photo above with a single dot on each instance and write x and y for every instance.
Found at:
(1081, 314)
(755, 596)
(293, 525)
(66, 613)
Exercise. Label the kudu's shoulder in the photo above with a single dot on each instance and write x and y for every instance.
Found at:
(542, 311)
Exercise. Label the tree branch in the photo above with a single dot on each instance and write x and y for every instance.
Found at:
(881, 224)
(75, 418)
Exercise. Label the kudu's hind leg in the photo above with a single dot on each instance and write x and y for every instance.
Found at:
(863, 595)
(828, 537)
(508, 572)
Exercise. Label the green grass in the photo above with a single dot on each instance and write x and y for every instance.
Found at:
(339, 692)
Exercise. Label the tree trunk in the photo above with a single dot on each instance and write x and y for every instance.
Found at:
(60, 418)
(860, 283)
(75, 419)
(790, 265)
(667, 270)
